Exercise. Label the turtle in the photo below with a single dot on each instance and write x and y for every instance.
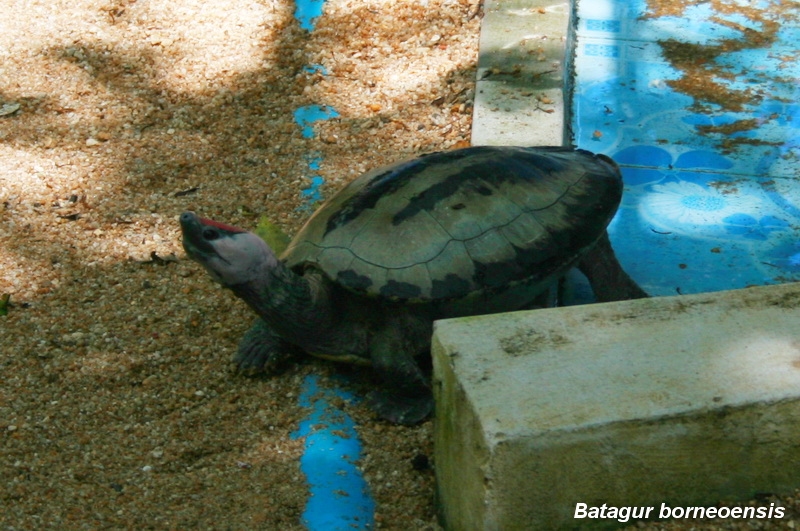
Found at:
(476, 230)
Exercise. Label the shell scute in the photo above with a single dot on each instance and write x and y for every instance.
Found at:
(450, 225)
(354, 280)
(335, 259)
(471, 216)
(453, 260)
(491, 246)
(399, 282)
(451, 286)
(524, 230)
(401, 290)
(414, 242)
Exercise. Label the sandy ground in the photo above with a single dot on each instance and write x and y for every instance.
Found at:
(118, 409)
(117, 405)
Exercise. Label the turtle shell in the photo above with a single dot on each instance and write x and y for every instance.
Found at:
(448, 225)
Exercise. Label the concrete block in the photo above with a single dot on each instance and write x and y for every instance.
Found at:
(683, 400)
(520, 92)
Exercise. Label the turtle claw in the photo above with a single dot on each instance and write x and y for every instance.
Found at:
(250, 361)
(401, 409)
(260, 351)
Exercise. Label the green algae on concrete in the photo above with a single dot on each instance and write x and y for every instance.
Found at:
(680, 400)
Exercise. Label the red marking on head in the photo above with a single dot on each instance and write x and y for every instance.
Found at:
(223, 226)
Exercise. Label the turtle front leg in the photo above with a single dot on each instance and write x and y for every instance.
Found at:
(261, 350)
(608, 280)
(406, 398)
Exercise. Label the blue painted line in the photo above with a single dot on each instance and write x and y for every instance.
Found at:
(314, 161)
(340, 498)
(314, 69)
(306, 116)
(339, 495)
(312, 194)
(307, 12)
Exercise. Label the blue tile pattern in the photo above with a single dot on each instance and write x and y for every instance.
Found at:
(712, 194)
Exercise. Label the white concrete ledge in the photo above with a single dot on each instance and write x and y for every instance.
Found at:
(520, 93)
(685, 400)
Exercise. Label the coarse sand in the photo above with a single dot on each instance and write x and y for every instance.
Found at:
(118, 407)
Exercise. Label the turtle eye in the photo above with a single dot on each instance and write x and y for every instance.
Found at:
(210, 234)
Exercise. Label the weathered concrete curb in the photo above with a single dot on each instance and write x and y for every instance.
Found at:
(685, 400)
(520, 98)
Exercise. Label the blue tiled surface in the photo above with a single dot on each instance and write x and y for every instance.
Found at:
(703, 211)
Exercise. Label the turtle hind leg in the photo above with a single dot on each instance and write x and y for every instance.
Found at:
(261, 350)
(608, 280)
(405, 410)
(406, 397)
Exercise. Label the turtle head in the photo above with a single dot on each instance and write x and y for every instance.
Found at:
(231, 255)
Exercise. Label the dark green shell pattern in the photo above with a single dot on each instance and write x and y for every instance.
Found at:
(447, 225)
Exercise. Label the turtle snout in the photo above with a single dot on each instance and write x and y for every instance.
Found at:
(194, 228)
(187, 219)
(194, 237)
